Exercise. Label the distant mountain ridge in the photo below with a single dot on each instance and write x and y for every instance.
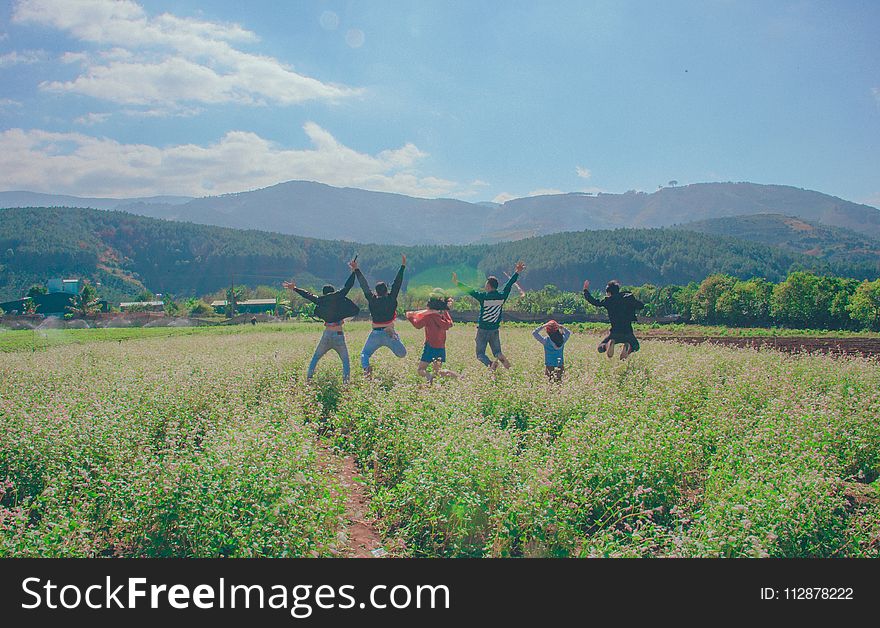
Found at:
(322, 211)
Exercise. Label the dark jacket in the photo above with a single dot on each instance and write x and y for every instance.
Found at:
(621, 308)
(332, 308)
(382, 309)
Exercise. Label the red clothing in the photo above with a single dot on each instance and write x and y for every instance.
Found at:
(435, 323)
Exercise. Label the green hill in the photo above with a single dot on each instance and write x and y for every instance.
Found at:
(832, 244)
(127, 253)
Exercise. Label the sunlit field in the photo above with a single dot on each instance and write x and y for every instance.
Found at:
(211, 444)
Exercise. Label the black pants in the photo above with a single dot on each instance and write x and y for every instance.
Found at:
(618, 338)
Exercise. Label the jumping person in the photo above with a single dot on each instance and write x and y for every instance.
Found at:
(622, 307)
(491, 303)
(333, 306)
(383, 312)
(435, 320)
(554, 347)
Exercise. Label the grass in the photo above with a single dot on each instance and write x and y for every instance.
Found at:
(208, 444)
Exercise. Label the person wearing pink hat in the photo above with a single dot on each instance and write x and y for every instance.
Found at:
(554, 347)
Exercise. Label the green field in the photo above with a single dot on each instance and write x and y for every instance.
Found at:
(207, 442)
(39, 339)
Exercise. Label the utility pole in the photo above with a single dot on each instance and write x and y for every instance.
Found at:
(232, 294)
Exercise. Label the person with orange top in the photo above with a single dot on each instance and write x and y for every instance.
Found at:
(436, 321)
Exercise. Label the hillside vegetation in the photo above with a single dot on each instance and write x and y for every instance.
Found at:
(128, 254)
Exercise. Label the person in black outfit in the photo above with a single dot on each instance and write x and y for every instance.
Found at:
(622, 308)
(332, 307)
(383, 312)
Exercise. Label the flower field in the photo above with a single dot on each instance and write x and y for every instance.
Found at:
(212, 445)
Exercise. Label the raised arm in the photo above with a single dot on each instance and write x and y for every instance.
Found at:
(566, 332)
(465, 287)
(398, 280)
(416, 318)
(364, 285)
(522, 292)
(305, 294)
(348, 284)
(505, 291)
(537, 333)
(589, 297)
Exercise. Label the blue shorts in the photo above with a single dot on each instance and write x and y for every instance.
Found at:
(429, 354)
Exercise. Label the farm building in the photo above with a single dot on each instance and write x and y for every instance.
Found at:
(52, 304)
(67, 286)
(251, 306)
(142, 306)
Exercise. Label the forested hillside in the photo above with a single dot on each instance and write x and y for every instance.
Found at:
(127, 254)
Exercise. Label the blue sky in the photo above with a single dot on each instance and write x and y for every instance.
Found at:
(477, 100)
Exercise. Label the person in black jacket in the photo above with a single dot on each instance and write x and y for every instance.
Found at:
(333, 306)
(622, 308)
(383, 312)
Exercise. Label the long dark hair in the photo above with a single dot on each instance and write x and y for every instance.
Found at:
(556, 337)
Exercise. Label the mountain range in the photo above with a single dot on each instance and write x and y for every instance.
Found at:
(317, 210)
(127, 254)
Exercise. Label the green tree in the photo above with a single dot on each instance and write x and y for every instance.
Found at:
(795, 301)
(705, 301)
(171, 307)
(36, 290)
(84, 303)
(233, 296)
(197, 307)
(745, 303)
(864, 304)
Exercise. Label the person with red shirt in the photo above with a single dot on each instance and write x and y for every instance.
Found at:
(436, 321)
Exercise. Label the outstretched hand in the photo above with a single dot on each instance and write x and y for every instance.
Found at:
(290, 285)
(586, 284)
(353, 265)
(455, 278)
(402, 259)
(520, 266)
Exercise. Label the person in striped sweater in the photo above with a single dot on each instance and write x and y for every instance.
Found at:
(491, 305)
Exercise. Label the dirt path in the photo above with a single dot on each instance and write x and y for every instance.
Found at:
(362, 540)
(866, 347)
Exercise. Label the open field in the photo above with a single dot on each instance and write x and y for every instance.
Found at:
(209, 444)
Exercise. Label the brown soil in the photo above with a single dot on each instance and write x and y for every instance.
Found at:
(362, 535)
(865, 347)
(357, 530)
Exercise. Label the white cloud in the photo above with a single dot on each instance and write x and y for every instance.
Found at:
(8, 102)
(583, 173)
(84, 165)
(479, 183)
(92, 118)
(165, 61)
(25, 57)
(503, 197)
